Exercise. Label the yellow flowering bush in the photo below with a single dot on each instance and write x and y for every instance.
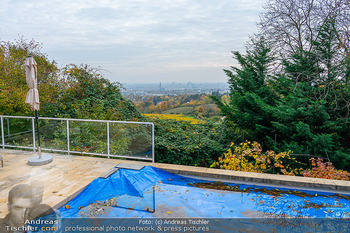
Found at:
(249, 157)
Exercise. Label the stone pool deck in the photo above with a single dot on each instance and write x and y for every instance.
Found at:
(67, 175)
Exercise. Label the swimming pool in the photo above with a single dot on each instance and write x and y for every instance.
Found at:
(153, 200)
(154, 193)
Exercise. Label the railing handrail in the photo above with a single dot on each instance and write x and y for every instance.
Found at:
(3, 144)
(72, 119)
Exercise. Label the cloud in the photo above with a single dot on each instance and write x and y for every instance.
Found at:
(175, 35)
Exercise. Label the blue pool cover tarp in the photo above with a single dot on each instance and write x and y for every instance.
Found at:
(152, 193)
(130, 193)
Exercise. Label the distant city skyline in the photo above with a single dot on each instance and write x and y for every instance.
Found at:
(136, 41)
(174, 88)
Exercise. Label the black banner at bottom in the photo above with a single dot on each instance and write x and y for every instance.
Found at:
(182, 225)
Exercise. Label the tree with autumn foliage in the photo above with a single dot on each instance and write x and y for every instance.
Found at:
(87, 94)
(13, 86)
(74, 91)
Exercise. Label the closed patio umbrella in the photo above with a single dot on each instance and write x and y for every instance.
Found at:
(33, 100)
(31, 77)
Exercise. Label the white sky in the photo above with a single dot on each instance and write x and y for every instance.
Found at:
(137, 40)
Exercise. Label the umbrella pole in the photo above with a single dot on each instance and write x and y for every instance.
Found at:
(37, 128)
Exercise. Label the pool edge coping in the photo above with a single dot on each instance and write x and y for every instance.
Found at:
(263, 178)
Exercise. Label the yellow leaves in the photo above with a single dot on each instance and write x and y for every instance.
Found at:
(248, 156)
(178, 117)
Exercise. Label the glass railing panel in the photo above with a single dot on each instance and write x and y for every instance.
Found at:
(131, 139)
(88, 137)
(18, 132)
(53, 134)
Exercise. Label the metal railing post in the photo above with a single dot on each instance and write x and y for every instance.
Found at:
(8, 127)
(327, 156)
(68, 146)
(108, 152)
(2, 134)
(153, 157)
(33, 130)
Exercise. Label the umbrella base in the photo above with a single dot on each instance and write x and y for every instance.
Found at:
(37, 161)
